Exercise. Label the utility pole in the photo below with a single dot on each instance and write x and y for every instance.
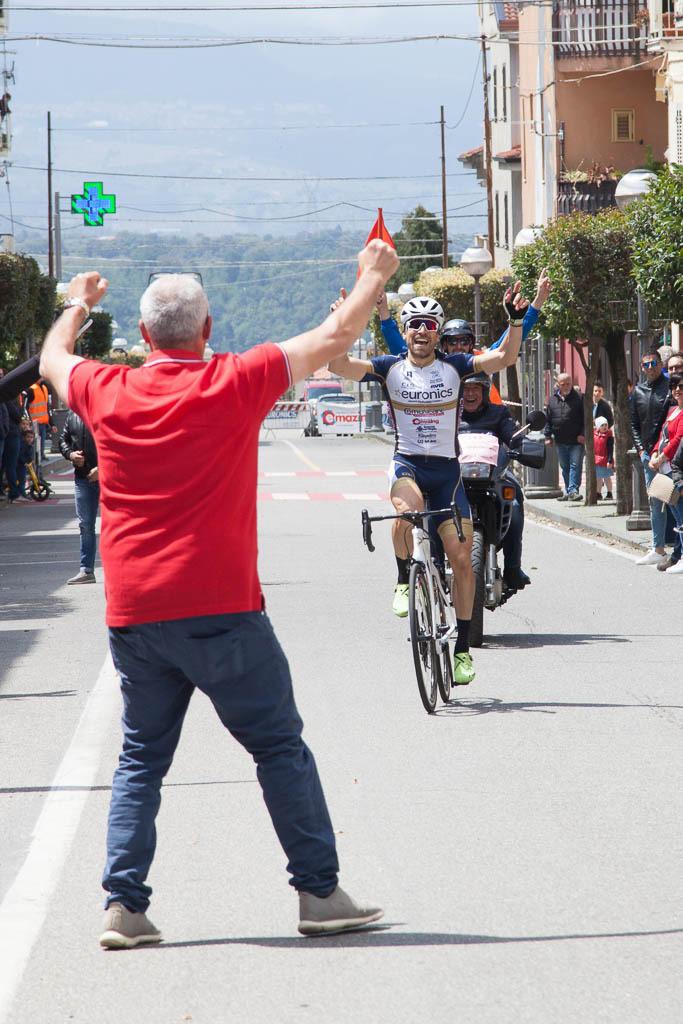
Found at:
(444, 215)
(487, 151)
(58, 238)
(50, 235)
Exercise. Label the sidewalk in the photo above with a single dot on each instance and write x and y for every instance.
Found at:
(599, 520)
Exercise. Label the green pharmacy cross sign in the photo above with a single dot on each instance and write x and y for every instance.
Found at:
(93, 204)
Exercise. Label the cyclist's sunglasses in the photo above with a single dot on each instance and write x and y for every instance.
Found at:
(649, 364)
(422, 321)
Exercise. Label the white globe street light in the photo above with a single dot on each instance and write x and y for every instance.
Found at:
(476, 261)
(526, 236)
(633, 186)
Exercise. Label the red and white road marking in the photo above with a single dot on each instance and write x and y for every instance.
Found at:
(320, 496)
(322, 473)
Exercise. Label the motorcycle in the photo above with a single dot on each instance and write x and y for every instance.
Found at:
(491, 489)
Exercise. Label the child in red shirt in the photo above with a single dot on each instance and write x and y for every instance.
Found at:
(603, 443)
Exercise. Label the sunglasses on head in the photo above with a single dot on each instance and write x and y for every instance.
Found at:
(649, 364)
(423, 321)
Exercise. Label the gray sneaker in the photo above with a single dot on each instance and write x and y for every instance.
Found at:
(337, 912)
(82, 576)
(124, 929)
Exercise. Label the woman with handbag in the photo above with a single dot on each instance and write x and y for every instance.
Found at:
(667, 449)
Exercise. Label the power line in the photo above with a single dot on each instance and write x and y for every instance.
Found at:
(252, 9)
(310, 179)
(263, 128)
(252, 263)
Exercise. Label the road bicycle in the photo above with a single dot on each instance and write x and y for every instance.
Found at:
(431, 616)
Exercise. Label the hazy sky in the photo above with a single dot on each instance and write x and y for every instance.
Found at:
(221, 106)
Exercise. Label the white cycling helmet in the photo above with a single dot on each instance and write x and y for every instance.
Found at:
(421, 305)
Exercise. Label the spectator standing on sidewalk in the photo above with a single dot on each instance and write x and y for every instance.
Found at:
(677, 510)
(565, 426)
(39, 408)
(667, 445)
(185, 607)
(4, 431)
(10, 455)
(603, 444)
(650, 402)
(601, 406)
(77, 445)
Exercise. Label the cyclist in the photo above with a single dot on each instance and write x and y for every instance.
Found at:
(423, 387)
(480, 415)
(457, 335)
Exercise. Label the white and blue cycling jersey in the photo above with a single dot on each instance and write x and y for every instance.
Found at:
(424, 401)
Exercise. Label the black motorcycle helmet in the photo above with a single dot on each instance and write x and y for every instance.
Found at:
(458, 329)
(483, 380)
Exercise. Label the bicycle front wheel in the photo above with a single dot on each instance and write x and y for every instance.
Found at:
(443, 652)
(422, 636)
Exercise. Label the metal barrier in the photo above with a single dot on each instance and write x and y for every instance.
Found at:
(287, 415)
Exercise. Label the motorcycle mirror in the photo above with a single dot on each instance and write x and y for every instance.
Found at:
(536, 419)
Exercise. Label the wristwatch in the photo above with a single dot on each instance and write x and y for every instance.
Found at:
(81, 303)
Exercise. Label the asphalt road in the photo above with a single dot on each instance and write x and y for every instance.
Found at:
(525, 841)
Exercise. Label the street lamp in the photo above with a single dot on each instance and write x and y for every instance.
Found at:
(631, 187)
(476, 261)
(526, 236)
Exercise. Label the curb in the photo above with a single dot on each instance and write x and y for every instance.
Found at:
(563, 520)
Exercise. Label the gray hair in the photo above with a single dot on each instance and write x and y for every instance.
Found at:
(174, 309)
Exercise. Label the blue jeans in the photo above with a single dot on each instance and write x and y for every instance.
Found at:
(570, 457)
(87, 501)
(237, 662)
(657, 508)
(42, 435)
(10, 458)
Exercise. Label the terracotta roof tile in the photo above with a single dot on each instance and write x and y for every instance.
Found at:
(509, 154)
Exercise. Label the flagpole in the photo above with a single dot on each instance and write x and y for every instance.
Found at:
(444, 217)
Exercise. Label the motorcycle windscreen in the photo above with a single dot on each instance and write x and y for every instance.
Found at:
(478, 454)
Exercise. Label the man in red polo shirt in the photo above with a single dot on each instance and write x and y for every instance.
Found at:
(184, 602)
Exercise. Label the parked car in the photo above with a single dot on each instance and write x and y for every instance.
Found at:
(334, 398)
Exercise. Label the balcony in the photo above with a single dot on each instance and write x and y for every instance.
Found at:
(584, 196)
(666, 20)
(599, 28)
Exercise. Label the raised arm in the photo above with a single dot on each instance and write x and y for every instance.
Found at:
(335, 336)
(543, 289)
(57, 356)
(506, 354)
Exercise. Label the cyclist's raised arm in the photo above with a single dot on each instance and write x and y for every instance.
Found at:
(506, 354)
(335, 336)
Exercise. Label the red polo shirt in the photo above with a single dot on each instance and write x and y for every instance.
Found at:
(177, 444)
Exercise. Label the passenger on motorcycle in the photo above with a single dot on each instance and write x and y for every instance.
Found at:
(482, 416)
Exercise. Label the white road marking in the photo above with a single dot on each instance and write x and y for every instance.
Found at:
(300, 455)
(342, 472)
(23, 910)
(291, 496)
(585, 540)
(290, 473)
(363, 497)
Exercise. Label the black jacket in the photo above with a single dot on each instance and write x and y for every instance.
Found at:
(15, 417)
(603, 408)
(4, 421)
(490, 418)
(564, 417)
(649, 404)
(76, 437)
(677, 466)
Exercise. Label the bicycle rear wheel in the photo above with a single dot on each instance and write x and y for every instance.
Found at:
(422, 636)
(443, 653)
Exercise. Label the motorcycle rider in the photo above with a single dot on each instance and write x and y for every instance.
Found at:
(482, 416)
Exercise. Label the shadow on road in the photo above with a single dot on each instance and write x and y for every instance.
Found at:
(495, 704)
(528, 640)
(382, 937)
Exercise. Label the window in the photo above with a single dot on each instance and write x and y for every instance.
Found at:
(497, 204)
(506, 221)
(623, 125)
(495, 94)
(505, 92)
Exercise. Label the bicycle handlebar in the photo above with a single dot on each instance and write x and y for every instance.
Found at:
(410, 517)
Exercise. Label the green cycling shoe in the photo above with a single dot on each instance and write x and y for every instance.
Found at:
(463, 669)
(400, 605)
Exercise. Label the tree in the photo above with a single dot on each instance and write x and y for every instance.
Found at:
(588, 258)
(656, 222)
(418, 225)
(26, 304)
(96, 342)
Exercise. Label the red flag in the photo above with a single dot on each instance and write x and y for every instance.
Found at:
(379, 230)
